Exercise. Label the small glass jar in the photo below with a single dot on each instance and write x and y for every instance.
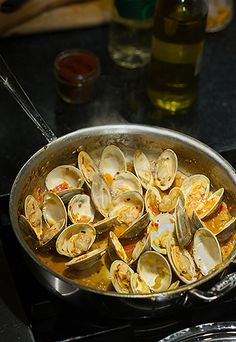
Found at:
(220, 14)
(76, 72)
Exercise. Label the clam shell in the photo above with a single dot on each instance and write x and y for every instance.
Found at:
(210, 206)
(142, 169)
(101, 195)
(229, 228)
(141, 247)
(128, 207)
(33, 215)
(112, 161)
(184, 226)
(105, 225)
(206, 250)
(136, 228)
(75, 239)
(125, 181)
(87, 167)
(115, 249)
(152, 201)
(155, 270)
(120, 274)
(80, 209)
(167, 165)
(87, 260)
(138, 285)
(181, 262)
(169, 201)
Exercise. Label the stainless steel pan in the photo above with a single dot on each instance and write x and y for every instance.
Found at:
(198, 157)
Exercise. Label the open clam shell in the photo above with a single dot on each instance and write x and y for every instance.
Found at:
(206, 251)
(142, 169)
(196, 190)
(138, 285)
(211, 204)
(141, 247)
(75, 239)
(167, 165)
(169, 201)
(120, 274)
(80, 209)
(33, 217)
(115, 249)
(229, 228)
(155, 270)
(105, 225)
(87, 260)
(101, 195)
(65, 180)
(152, 202)
(112, 161)
(161, 231)
(128, 207)
(125, 181)
(181, 262)
(87, 166)
(184, 225)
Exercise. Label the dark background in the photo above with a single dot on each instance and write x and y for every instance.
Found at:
(120, 95)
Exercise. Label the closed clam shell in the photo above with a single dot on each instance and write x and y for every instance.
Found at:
(142, 168)
(155, 270)
(87, 260)
(181, 261)
(120, 274)
(160, 231)
(112, 161)
(152, 201)
(206, 250)
(125, 181)
(65, 180)
(87, 166)
(128, 207)
(167, 165)
(101, 195)
(75, 239)
(80, 209)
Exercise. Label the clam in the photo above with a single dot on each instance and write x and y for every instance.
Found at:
(228, 229)
(33, 217)
(112, 161)
(87, 167)
(80, 209)
(206, 250)
(141, 246)
(101, 195)
(152, 202)
(125, 181)
(169, 201)
(181, 261)
(65, 180)
(87, 260)
(127, 207)
(120, 274)
(167, 165)
(142, 168)
(47, 222)
(105, 225)
(209, 207)
(161, 231)
(136, 228)
(196, 190)
(115, 249)
(138, 285)
(155, 270)
(184, 225)
(75, 239)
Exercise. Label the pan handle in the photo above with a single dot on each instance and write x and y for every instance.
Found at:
(9, 81)
(218, 290)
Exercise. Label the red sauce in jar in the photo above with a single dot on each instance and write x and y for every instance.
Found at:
(76, 72)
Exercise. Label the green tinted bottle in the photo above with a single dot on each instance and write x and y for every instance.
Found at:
(176, 53)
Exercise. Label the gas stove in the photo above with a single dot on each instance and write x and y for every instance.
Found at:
(29, 312)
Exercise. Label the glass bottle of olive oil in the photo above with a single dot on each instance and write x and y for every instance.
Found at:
(176, 53)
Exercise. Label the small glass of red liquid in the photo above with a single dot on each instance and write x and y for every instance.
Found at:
(76, 73)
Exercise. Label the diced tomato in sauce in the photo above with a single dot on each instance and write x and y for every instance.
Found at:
(60, 187)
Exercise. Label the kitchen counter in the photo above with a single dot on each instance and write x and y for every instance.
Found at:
(120, 95)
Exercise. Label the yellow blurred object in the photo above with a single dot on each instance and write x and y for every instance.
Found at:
(220, 14)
